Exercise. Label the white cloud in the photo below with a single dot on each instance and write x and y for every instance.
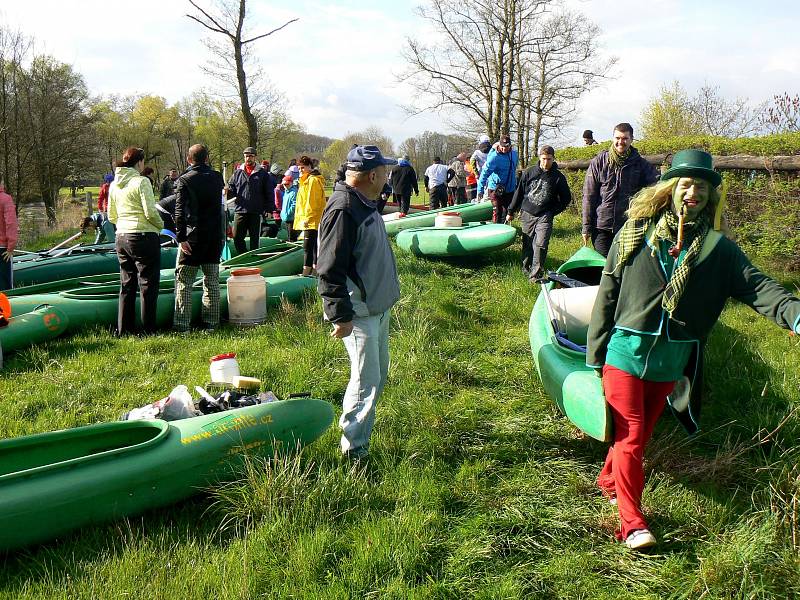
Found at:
(337, 64)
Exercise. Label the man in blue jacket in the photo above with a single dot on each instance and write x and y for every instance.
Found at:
(359, 285)
(250, 186)
(502, 162)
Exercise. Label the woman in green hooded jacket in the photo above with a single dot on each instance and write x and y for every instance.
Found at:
(132, 208)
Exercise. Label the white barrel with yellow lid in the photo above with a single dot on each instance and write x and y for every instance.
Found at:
(247, 297)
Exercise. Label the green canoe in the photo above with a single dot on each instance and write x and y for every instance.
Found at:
(96, 259)
(99, 304)
(277, 258)
(95, 262)
(38, 325)
(53, 483)
(574, 387)
(467, 240)
(469, 213)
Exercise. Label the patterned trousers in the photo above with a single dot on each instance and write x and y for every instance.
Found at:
(184, 280)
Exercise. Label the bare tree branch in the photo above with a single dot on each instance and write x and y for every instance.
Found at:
(263, 35)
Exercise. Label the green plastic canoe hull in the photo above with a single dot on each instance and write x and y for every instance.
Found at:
(99, 259)
(75, 265)
(470, 213)
(285, 258)
(99, 305)
(33, 327)
(468, 240)
(573, 386)
(53, 483)
(278, 258)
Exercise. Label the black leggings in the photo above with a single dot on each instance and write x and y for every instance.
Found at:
(139, 271)
(309, 247)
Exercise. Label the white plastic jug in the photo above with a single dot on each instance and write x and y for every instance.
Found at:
(223, 368)
(247, 297)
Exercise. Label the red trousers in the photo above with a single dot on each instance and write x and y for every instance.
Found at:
(635, 405)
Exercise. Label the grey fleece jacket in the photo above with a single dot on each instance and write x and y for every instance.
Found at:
(355, 263)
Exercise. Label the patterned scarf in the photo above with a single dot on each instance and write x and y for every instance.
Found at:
(631, 238)
(617, 159)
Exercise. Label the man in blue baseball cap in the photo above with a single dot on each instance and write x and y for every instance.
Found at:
(358, 284)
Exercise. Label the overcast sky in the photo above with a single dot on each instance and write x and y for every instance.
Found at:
(337, 65)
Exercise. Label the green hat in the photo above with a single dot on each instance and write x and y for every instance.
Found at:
(693, 163)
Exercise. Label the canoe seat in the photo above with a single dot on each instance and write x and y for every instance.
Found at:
(573, 310)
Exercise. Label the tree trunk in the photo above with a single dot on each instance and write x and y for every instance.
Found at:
(241, 78)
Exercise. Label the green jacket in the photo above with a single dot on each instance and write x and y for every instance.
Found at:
(131, 203)
(630, 299)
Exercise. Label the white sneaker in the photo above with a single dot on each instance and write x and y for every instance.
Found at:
(640, 539)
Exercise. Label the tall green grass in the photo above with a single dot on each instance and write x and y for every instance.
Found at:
(476, 488)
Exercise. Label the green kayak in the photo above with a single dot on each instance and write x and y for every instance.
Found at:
(94, 262)
(53, 483)
(38, 325)
(469, 213)
(96, 259)
(561, 363)
(278, 258)
(467, 240)
(99, 304)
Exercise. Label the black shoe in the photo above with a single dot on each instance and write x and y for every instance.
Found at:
(356, 456)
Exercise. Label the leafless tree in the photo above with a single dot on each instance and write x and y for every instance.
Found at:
(422, 148)
(784, 114)
(470, 72)
(562, 63)
(14, 49)
(499, 65)
(229, 19)
(721, 116)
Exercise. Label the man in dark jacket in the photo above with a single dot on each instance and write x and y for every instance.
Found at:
(404, 181)
(542, 193)
(358, 284)
(168, 185)
(250, 185)
(199, 225)
(613, 178)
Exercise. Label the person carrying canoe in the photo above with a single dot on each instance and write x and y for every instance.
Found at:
(359, 285)
(436, 178)
(542, 193)
(501, 161)
(404, 181)
(668, 275)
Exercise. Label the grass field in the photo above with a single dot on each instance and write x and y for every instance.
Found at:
(477, 487)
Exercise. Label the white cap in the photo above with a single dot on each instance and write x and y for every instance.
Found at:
(484, 139)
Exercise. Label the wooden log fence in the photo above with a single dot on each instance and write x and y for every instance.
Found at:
(723, 163)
